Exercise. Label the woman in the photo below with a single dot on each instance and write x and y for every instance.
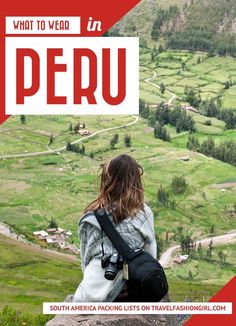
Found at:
(121, 194)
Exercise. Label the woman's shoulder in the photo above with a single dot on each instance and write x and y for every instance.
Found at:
(89, 218)
(147, 210)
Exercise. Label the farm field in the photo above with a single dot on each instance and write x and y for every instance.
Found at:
(206, 75)
(35, 189)
(29, 278)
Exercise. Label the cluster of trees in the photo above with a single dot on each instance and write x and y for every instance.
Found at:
(199, 29)
(192, 96)
(185, 240)
(144, 109)
(160, 132)
(199, 39)
(163, 16)
(228, 84)
(179, 184)
(225, 151)
(163, 198)
(210, 108)
(163, 115)
(76, 128)
(176, 117)
(155, 52)
(23, 119)
(115, 139)
(52, 224)
(127, 141)
(75, 148)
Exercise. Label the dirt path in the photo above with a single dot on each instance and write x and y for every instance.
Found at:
(167, 256)
(149, 81)
(165, 260)
(14, 238)
(63, 148)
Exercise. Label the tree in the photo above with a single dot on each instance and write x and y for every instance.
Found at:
(222, 255)
(178, 185)
(210, 249)
(112, 143)
(162, 88)
(23, 119)
(82, 150)
(193, 143)
(68, 146)
(162, 197)
(161, 133)
(183, 66)
(212, 229)
(158, 130)
(50, 139)
(76, 128)
(143, 109)
(207, 147)
(199, 250)
(190, 275)
(127, 140)
(52, 224)
(116, 138)
(70, 129)
(160, 245)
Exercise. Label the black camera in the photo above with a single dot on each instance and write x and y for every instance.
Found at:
(112, 264)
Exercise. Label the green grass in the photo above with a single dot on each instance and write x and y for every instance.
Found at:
(208, 275)
(208, 76)
(34, 190)
(34, 135)
(29, 278)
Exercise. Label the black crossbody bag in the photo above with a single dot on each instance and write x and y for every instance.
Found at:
(145, 277)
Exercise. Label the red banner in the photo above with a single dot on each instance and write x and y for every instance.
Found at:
(106, 11)
(226, 294)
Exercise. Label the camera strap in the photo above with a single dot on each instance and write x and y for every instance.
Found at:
(118, 242)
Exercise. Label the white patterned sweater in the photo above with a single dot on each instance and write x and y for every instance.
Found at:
(138, 232)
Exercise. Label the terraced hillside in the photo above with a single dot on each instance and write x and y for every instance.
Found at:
(181, 69)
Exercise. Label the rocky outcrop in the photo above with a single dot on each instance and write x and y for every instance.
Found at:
(113, 320)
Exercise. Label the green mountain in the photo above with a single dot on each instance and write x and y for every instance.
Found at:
(205, 25)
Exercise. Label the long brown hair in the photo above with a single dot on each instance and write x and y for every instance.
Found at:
(121, 189)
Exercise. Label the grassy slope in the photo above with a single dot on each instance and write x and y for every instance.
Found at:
(35, 189)
(213, 16)
(208, 76)
(29, 278)
(208, 276)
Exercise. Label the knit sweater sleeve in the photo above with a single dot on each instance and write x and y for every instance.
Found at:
(148, 232)
(94, 286)
(90, 239)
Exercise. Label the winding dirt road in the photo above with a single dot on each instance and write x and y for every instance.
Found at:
(165, 260)
(63, 148)
(149, 81)
(167, 256)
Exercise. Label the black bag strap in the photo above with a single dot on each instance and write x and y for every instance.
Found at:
(118, 242)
